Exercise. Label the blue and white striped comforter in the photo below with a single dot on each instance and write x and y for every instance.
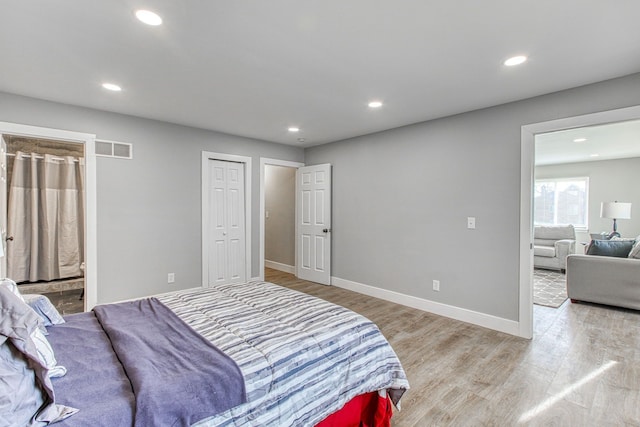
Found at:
(302, 358)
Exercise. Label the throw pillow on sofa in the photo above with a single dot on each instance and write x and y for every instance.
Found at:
(614, 248)
(635, 251)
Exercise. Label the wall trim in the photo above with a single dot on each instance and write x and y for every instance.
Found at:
(280, 267)
(452, 312)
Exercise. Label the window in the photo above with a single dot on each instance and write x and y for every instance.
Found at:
(561, 201)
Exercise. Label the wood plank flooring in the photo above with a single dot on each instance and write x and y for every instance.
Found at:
(582, 367)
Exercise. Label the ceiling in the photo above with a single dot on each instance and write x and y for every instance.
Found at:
(587, 144)
(255, 68)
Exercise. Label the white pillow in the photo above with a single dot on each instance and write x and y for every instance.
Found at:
(19, 326)
(12, 286)
(45, 352)
(635, 250)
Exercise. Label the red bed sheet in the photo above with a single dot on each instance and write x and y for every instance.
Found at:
(365, 410)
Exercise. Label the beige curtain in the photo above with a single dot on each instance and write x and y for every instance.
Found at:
(46, 218)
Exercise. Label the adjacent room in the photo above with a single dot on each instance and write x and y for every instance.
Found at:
(339, 213)
(583, 178)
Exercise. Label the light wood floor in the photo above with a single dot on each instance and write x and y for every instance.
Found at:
(582, 368)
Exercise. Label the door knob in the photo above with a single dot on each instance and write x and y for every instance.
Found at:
(326, 230)
(9, 238)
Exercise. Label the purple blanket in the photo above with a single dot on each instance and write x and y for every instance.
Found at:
(95, 381)
(178, 377)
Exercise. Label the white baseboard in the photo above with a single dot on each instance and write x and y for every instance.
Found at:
(280, 267)
(480, 319)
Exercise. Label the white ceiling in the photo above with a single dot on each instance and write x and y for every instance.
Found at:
(254, 68)
(603, 142)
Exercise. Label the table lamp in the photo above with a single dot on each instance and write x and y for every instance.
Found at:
(615, 210)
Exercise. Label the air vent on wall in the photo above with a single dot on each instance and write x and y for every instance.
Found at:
(118, 150)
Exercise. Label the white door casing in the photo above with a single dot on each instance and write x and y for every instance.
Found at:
(313, 223)
(4, 184)
(227, 263)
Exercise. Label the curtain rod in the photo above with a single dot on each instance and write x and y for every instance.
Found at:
(37, 156)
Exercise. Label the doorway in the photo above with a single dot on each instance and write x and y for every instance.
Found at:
(312, 244)
(278, 172)
(577, 171)
(89, 229)
(529, 132)
(279, 218)
(44, 211)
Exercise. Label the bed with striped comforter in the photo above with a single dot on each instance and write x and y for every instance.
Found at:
(302, 358)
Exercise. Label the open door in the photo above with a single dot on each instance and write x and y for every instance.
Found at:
(313, 223)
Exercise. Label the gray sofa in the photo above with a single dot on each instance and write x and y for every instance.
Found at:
(604, 280)
(551, 245)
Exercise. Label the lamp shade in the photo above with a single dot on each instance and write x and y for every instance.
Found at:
(617, 210)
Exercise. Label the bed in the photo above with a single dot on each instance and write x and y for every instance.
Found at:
(253, 354)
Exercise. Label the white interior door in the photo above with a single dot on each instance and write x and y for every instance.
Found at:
(227, 261)
(4, 185)
(313, 223)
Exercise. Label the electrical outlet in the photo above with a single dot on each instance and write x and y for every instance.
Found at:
(436, 285)
(171, 278)
(471, 222)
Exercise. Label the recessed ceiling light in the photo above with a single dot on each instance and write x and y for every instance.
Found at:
(148, 17)
(580, 140)
(112, 87)
(375, 104)
(294, 129)
(594, 155)
(515, 60)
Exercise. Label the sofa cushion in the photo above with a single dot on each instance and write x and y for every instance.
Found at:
(614, 248)
(545, 251)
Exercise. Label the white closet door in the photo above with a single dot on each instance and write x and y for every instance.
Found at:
(313, 223)
(226, 223)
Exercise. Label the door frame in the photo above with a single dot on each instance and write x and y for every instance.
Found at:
(264, 161)
(90, 226)
(204, 185)
(527, 169)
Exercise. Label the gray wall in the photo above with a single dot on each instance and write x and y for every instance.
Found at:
(280, 202)
(609, 180)
(401, 199)
(149, 208)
